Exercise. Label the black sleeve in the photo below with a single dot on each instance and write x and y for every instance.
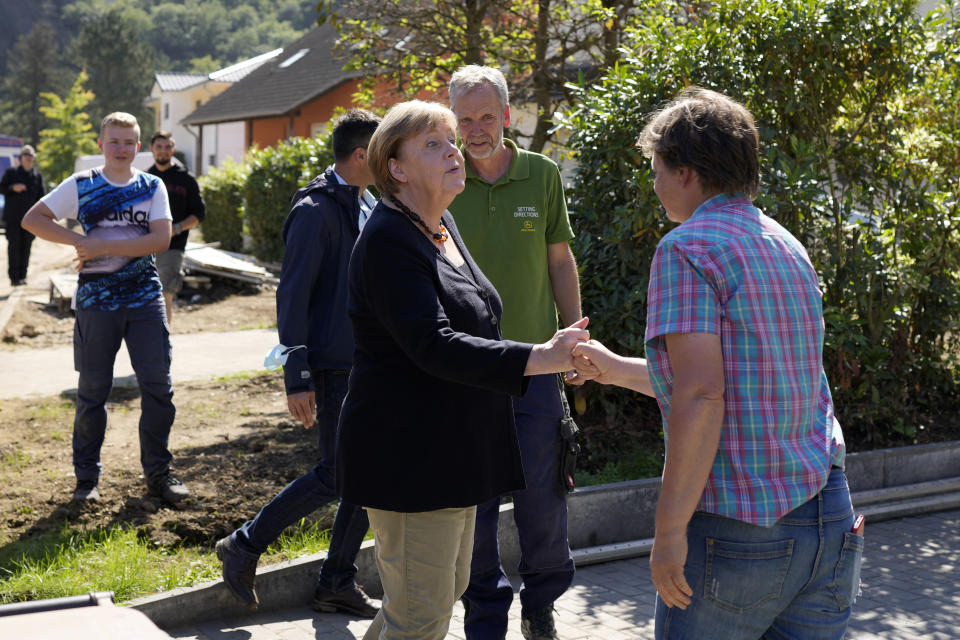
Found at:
(398, 284)
(6, 182)
(307, 240)
(195, 204)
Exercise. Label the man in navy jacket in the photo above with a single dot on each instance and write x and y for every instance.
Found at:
(324, 222)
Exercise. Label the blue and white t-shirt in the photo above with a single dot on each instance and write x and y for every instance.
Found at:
(113, 211)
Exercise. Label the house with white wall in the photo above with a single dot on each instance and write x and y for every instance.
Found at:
(175, 95)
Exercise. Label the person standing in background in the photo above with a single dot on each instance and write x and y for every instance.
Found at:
(513, 217)
(22, 186)
(325, 219)
(187, 207)
(125, 219)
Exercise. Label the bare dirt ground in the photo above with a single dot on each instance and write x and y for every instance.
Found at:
(234, 445)
(234, 442)
(225, 306)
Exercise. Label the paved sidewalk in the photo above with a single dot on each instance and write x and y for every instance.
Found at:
(911, 591)
(196, 356)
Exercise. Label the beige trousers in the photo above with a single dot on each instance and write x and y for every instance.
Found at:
(424, 564)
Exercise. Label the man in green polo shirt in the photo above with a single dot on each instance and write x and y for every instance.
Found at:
(513, 217)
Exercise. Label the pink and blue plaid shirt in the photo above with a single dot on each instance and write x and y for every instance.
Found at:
(734, 272)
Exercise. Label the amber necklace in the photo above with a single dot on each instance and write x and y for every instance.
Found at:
(438, 236)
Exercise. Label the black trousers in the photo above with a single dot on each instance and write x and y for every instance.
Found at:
(18, 250)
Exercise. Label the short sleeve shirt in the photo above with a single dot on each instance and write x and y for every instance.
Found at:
(113, 211)
(507, 227)
(729, 270)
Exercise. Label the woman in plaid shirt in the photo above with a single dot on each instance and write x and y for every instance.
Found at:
(754, 524)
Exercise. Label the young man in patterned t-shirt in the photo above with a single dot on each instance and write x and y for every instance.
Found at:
(125, 216)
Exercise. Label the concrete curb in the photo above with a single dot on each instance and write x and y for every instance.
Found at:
(606, 522)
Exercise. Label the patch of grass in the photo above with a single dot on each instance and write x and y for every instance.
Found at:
(71, 562)
(16, 460)
(259, 325)
(58, 410)
(119, 559)
(301, 539)
(241, 375)
(633, 466)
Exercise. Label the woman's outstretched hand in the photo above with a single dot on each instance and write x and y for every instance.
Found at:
(592, 361)
(556, 354)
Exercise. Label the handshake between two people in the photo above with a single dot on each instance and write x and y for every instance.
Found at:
(580, 358)
(573, 352)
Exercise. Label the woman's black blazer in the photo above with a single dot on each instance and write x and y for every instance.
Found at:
(427, 422)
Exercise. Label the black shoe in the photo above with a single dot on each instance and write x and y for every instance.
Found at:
(86, 491)
(169, 488)
(352, 600)
(239, 571)
(19, 283)
(539, 626)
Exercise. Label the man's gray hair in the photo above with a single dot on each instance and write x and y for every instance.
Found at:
(468, 78)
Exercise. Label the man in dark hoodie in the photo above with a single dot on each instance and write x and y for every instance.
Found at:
(187, 207)
(23, 186)
(324, 222)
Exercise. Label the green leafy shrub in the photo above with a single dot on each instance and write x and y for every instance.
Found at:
(223, 194)
(856, 106)
(274, 175)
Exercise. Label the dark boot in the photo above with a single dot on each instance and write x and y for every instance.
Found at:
(239, 571)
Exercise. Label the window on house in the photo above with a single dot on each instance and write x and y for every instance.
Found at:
(289, 61)
(212, 160)
(166, 111)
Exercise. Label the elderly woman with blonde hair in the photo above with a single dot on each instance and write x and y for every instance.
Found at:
(427, 431)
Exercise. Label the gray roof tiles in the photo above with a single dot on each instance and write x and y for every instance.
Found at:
(305, 69)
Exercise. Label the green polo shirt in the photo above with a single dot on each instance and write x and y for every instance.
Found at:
(507, 227)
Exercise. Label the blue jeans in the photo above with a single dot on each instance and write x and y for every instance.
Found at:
(96, 340)
(797, 579)
(311, 491)
(540, 513)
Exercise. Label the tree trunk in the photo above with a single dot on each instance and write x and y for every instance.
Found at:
(541, 79)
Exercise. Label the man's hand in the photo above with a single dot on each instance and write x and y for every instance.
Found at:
(90, 248)
(667, 558)
(18, 187)
(303, 407)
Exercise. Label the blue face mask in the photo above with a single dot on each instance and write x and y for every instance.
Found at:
(277, 357)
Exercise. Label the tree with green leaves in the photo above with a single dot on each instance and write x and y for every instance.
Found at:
(540, 45)
(112, 46)
(856, 106)
(34, 66)
(71, 134)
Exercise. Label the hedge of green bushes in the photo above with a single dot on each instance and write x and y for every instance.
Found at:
(222, 191)
(254, 198)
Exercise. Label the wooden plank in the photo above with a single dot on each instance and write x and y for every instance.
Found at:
(211, 258)
(62, 288)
